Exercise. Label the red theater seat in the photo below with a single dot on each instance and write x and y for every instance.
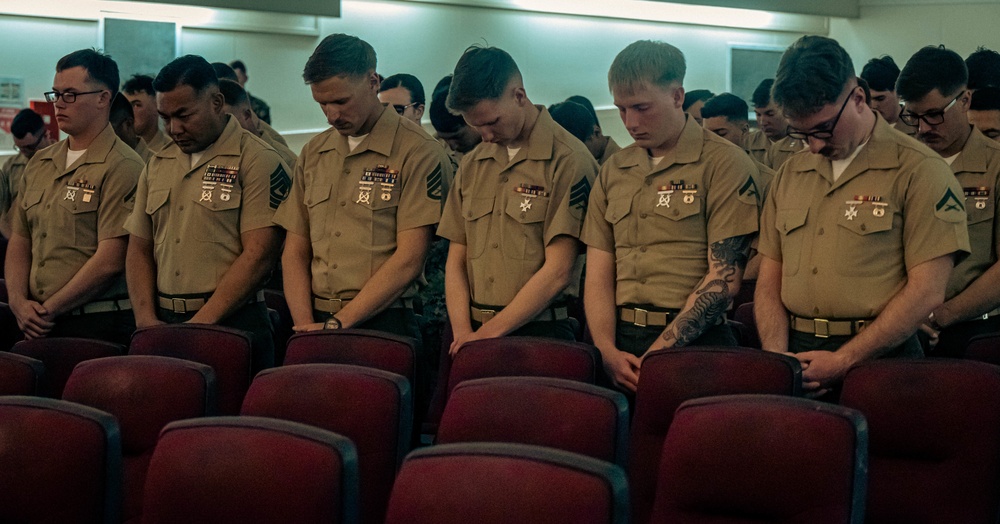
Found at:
(984, 348)
(369, 406)
(250, 470)
(227, 351)
(935, 439)
(524, 357)
(489, 483)
(144, 393)
(356, 347)
(61, 355)
(748, 325)
(672, 376)
(60, 463)
(763, 458)
(557, 413)
(20, 375)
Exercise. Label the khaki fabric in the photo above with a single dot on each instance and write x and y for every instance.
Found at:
(352, 223)
(271, 135)
(506, 231)
(609, 150)
(781, 150)
(977, 169)
(10, 179)
(844, 254)
(661, 240)
(161, 141)
(142, 149)
(66, 210)
(286, 154)
(194, 215)
(757, 144)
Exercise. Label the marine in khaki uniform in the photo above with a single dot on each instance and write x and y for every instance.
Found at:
(933, 87)
(202, 238)
(515, 211)
(268, 133)
(30, 136)
(770, 144)
(781, 150)
(66, 257)
(138, 90)
(756, 144)
(670, 221)
(600, 145)
(365, 198)
(238, 105)
(858, 235)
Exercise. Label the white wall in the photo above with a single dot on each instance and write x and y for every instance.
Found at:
(559, 55)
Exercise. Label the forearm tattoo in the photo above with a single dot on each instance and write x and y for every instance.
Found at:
(728, 257)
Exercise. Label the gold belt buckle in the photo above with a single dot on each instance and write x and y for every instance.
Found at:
(179, 305)
(824, 331)
(487, 315)
(641, 317)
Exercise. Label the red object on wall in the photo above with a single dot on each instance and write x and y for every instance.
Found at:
(48, 112)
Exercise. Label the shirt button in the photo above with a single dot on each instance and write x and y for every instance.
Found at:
(523, 215)
(490, 279)
(495, 245)
(336, 233)
(181, 208)
(48, 206)
(347, 171)
(676, 212)
(643, 249)
(41, 264)
(649, 182)
(334, 266)
(504, 180)
(177, 273)
(44, 235)
(642, 215)
(820, 232)
(642, 280)
(309, 202)
(815, 270)
(469, 214)
(815, 311)
(343, 203)
(178, 241)
(863, 228)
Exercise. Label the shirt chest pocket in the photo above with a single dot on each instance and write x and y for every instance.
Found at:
(318, 208)
(155, 202)
(524, 233)
(378, 197)
(478, 214)
(218, 213)
(80, 212)
(790, 224)
(867, 239)
(679, 206)
(980, 208)
(618, 210)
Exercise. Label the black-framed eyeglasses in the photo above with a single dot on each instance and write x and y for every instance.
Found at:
(401, 108)
(32, 147)
(68, 96)
(931, 118)
(822, 134)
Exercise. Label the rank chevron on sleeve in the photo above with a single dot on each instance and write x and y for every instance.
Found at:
(579, 194)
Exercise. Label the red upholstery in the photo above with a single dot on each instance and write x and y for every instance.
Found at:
(525, 357)
(144, 393)
(935, 439)
(762, 458)
(748, 329)
(984, 348)
(226, 350)
(61, 355)
(369, 406)
(670, 377)
(572, 416)
(356, 347)
(489, 483)
(250, 469)
(20, 375)
(61, 462)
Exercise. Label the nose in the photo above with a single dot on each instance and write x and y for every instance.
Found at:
(488, 136)
(816, 144)
(923, 127)
(630, 120)
(331, 114)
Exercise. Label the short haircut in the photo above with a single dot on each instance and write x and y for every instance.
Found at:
(444, 121)
(932, 67)
(574, 118)
(732, 107)
(761, 96)
(100, 67)
(26, 121)
(407, 81)
(139, 83)
(340, 55)
(812, 73)
(984, 68)
(482, 73)
(121, 110)
(646, 62)
(985, 99)
(693, 97)
(189, 70)
(234, 94)
(238, 64)
(223, 71)
(881, 73)
(583, 101)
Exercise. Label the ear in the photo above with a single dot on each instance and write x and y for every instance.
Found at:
(373, 82)
(217, 102)
(965, 101)
(520, 95)
(419, 110)
(678, 96)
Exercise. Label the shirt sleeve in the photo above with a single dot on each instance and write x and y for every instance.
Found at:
(424, 174)
(452, 224)
(292, 214)
(572, 182)
(934, 220)
(597, 231)
(117, 198)
(265, 185)
(139, 223)
(733, 197)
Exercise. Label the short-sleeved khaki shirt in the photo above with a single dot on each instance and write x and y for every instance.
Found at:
(159, 142)
(659, 221)
(194, 215)
(507, 212)
(609, 150)
(352, 204)
(66, 210)
(757, 144)
(286, 154)
(142, 149)
(10, 180)
(977, 169)
(781, 150)
(845, 246)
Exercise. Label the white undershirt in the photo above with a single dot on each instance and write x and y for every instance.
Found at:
(952, 158)
(196, 157)
(656, 160)
(354, 141)
(73, 156)
(839, 166)
(512, 152)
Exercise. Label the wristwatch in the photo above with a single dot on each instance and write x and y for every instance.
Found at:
(332, 323)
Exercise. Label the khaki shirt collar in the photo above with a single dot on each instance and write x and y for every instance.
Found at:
(539, 146)
(688, 150)
(227, 144)
(379, 139)
(973, 156)
(879, 153)
(97, 152)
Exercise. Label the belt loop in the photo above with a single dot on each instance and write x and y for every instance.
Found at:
(822, 327)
